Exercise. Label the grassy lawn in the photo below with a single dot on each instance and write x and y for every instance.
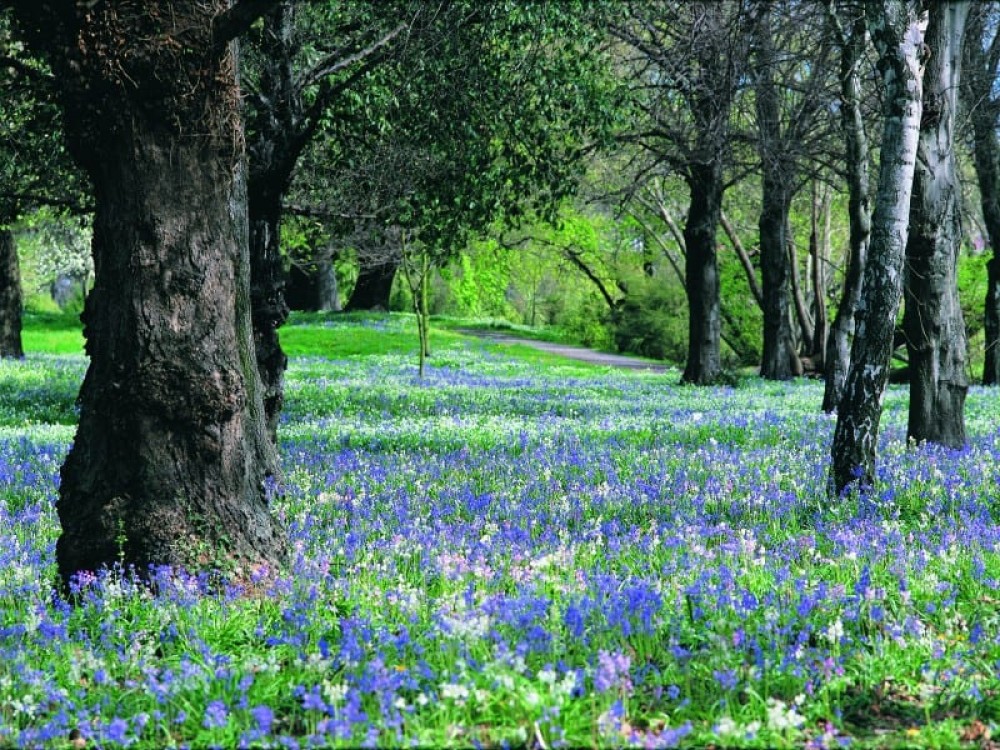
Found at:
(523, 551)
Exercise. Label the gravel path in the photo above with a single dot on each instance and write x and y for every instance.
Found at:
(570, 352)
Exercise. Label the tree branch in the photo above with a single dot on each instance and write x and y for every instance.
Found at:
(338, 61)
(573, 257)
(314, 212)
(679, 238)
(744, 257)
(237, 20)
(38, 199)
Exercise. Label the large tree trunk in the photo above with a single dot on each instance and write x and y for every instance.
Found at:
(779, 360)
(838, 352)
(896, 30)
(171, 453)
(933, 322)
(373, 287)
(10, 297)
(313, 285)
(701, 281)
(978, 78)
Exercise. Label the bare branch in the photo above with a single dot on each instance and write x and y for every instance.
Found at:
(573, 256)
(342, 58)
(744, 257)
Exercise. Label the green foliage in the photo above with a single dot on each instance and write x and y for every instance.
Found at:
(585, 319)
(972, 279)
(740, 306)
(51, 244)
(478, 280)
(35, 168)
(652, 320)
(445, 155)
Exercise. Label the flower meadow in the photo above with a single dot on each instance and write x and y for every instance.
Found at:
(520, 554)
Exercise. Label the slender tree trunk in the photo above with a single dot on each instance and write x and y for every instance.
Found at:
(10, 298)
(817, 252)
(425, 312)
(171, 453)
(896, 30)
(806, 330)
(933, 321)
(978, 78)
(744, 258)
(373, 287)
(838, 351)
(701, 282)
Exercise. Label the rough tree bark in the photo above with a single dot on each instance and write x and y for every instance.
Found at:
(171, 453)
(273, 148)
(896, 30)
(838, 352)
(932, 320)
(701, 278)
(978, 77)
(10, 298)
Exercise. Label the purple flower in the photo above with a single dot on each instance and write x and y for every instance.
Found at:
(264, 717)
(726, 678)
(116, 731)
(312, 701)
(612, 672)
(216, 715)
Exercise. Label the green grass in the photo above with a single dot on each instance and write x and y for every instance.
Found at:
(351, 335)
(52, 333)
(550, 334)
(336, 336)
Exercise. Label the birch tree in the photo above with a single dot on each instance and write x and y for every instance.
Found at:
(897, 29)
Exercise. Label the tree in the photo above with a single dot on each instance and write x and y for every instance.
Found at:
(438, 159)
(10, 298)
(847, 22)
(791, 92)
(896, 29)
(292, 90)
(932, 321)
(374, 285)
(686, 64)
(171, 453)
(979, 75)
(34, 170)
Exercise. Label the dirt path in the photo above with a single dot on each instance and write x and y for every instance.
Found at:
(570, 352)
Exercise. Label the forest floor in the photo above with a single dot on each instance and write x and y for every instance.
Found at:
(579, 353)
